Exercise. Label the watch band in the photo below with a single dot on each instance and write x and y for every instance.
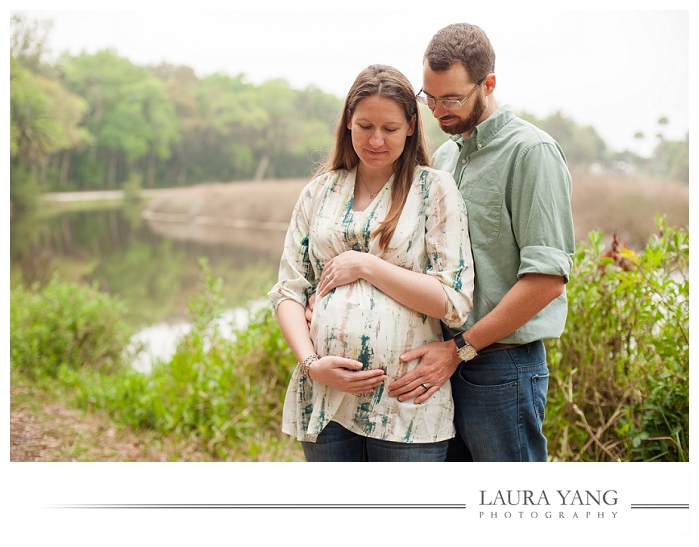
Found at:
(460, 342)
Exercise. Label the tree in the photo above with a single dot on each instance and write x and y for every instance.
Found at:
(32, 130)
(129, 114)
(182, 87)
(317, 114)
(277, 99)
(671, 159)
(68, 110)
(28, 41)
(44, 120)
(230, 122)
(30, 135)
(581, 144)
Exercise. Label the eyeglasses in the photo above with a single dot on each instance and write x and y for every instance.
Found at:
(447, 104)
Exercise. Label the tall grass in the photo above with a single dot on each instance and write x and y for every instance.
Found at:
(225, 393)
(620, 372)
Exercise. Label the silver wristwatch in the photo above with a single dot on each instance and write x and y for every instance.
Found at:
(465, 350)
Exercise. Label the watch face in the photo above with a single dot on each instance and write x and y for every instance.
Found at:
(466, 353)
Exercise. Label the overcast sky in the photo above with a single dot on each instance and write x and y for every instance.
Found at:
(619, 71)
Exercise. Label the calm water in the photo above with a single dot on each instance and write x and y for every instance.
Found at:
(153, 267)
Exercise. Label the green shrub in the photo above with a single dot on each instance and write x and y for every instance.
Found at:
(620, 373)
(133, 189)
(227, 392)
(65, 323)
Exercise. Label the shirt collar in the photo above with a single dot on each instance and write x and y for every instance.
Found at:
(488, 128)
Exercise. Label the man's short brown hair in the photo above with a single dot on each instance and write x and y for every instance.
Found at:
(463, 43)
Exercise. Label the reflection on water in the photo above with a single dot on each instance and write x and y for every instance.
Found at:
(153, 267)
(158, 343)
(155, 343)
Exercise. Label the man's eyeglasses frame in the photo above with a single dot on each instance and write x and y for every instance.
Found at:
(447, 104)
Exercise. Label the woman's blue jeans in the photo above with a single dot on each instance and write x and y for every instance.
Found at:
(337, 444)
(499, 404)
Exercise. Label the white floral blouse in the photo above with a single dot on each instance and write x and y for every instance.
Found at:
(360, 322)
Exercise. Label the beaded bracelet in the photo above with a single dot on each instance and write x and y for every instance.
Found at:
(306, 365)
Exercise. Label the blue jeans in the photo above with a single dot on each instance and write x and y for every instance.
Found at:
(499, 405)
(337, 444)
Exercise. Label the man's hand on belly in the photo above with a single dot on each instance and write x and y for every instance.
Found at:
(438, 361)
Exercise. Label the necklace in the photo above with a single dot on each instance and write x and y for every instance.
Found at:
(372, 195)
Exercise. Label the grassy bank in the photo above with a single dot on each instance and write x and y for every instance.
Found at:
(215, 400)
(46, 425)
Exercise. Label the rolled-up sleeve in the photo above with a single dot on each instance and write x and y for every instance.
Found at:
(542, 218)
(449, 248)
(296, 276)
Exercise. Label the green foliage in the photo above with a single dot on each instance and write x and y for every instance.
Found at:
(33, 127)
(620, 372)
(65, 324)
(228, 393)
(44, 120)
(91, 121)
(129, 112)
(94, 120)
(132, 189)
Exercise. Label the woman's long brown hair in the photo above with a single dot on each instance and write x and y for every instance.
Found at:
(390, 83)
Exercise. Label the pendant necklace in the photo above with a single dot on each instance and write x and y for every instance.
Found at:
(372, 195)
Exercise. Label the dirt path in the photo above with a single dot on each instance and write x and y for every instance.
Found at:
(43, 429)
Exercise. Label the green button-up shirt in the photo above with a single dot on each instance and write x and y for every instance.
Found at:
(517, 189)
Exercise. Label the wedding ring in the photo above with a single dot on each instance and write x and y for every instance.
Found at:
(328, 279)
(425, 387)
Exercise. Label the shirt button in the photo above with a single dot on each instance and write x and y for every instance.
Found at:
(463, 161)
(480, 145)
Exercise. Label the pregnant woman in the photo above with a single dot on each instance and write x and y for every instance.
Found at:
(381, 241)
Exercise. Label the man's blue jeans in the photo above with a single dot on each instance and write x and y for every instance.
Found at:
(500, 400)
(337, 444)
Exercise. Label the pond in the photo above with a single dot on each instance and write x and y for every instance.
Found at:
(152, 266)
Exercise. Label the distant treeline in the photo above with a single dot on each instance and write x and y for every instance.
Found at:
(93, 121)
(97, 121)
(585, 150)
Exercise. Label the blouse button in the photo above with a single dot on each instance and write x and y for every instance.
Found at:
(463, 161)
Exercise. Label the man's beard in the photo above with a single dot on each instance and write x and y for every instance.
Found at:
(467, 124)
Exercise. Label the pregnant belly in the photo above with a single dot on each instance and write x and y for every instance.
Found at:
(360, 322)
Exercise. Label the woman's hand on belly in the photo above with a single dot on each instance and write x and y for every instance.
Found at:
(345, 268)
(346, 375)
